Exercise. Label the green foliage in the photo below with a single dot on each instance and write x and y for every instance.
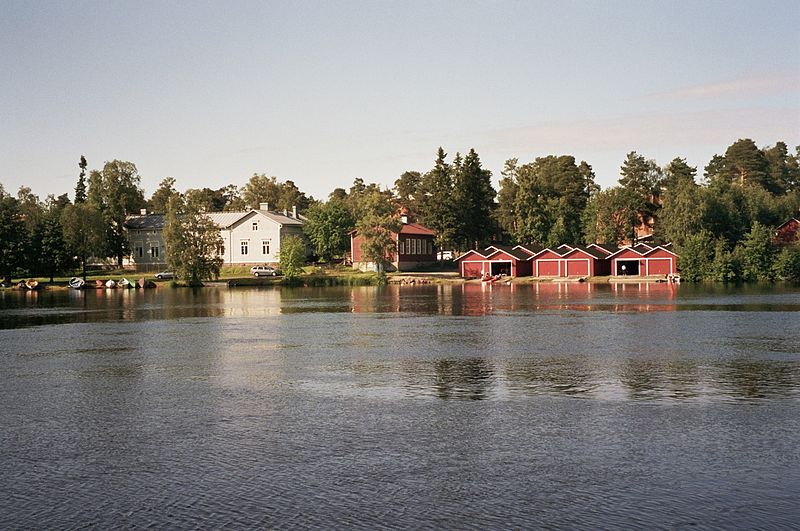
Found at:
(680, 215)
(327, 226)
(84, 231)
(787, 263)
(159, 202)
(193, 244)
(53, 256)
(726, 266)
(744, 163)
(408, 190)
(438, 204)
(208, 200)
(12, 236)
(758, 254)
(377, 228)
(506, 211)
(280, 196)
(116, 193)
(695, 256)
(292, 256)
(80, 188)
(474, 201)
(644, 179)
(610, 216)
(551, 196)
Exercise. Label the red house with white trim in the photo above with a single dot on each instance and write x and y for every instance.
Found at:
(496, 260)
(415, 248)
(644, 260)
(569, 261)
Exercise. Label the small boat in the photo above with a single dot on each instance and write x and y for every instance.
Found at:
(111, 284)
(99, 284)
(125, 283)
(673, 279)
(76, 283)
(32, 285)
(145, 284)
(489, 278)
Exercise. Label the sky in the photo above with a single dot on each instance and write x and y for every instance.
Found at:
(324, 92)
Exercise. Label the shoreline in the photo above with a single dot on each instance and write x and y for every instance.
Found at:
(404, 279)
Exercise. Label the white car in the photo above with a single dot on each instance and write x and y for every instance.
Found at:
(264, 271)
(165, 274)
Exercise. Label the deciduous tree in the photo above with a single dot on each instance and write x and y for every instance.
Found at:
(84, 232)
(13, 237)
(193, 244)
(159, 201)
(292, 256)
(327, 226)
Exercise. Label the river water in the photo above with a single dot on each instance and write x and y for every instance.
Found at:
(464, 406)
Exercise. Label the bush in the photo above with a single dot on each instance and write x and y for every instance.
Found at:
(725, 267)
(787, 265)
(695, 256)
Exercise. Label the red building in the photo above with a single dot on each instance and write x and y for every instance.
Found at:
(569, 261)
(496, 260)
(644, 260)
(786, 234)
(415, 248)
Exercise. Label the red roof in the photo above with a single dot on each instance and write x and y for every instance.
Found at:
(413, 228)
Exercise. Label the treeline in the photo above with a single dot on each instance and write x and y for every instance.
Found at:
(720, 223)
(46, 238)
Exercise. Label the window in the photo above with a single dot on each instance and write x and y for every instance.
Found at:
(154, 252)
(401, 247)
(244, 247)
(139, 251)
(264, 246)
(255, 225)
(430, 246)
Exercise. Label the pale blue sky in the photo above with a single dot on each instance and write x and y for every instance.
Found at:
(324, 92)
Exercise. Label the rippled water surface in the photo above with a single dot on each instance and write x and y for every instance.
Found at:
(552, 405)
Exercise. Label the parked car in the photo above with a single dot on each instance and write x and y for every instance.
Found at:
(165, 274)
(264, 271)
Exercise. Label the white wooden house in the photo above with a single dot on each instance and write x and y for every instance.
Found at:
(249, 238)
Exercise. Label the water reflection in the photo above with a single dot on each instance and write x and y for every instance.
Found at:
(567, 376)
(605, 342)
(452, 378)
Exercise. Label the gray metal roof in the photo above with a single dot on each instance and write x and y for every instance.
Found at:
(147, 222)
(280, 218)
(223, 220)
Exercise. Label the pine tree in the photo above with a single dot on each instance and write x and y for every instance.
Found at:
(474, 200)
(80, 188)
(438, 206)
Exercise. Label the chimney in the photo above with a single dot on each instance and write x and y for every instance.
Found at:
(294, 211)
(263, 206)
(404, 219)
(143, 212)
